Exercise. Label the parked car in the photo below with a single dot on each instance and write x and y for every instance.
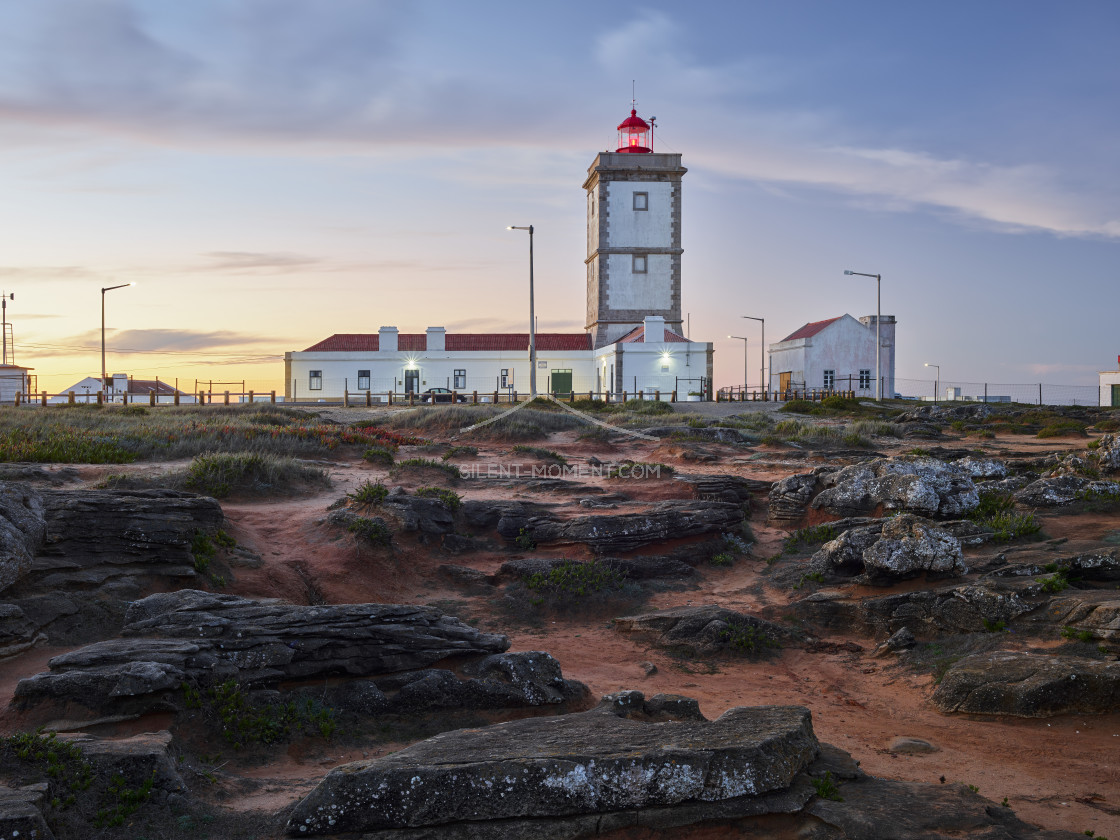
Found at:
(438, 395)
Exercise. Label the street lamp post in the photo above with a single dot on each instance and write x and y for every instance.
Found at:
(532, 319)
(763, 384)
(878, 318)
(937, 381)
(104, 383)
(744, 340)
(4, 298)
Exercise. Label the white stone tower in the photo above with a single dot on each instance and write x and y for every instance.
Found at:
(633, 235)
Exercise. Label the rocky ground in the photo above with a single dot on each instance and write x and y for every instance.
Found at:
(912, 632)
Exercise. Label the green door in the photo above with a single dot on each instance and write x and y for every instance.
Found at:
(562, 382)
(1116, 396)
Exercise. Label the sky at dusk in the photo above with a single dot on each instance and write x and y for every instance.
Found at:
(270, 172)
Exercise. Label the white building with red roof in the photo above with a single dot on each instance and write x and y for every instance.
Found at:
(632, 340)
(837, 353)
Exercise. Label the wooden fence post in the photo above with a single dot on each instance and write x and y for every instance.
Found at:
(176, 397)
(227, 398)
(100, 397)
(369, 398)
(345, 397)
(202, 398)
(44, 398)
(250, 398)
(272, 396)
(151, 398)
(474, 398)
(70, 398)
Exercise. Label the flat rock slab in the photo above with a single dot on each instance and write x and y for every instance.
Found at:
(1029, 685)
(592, 762)
(705, 630)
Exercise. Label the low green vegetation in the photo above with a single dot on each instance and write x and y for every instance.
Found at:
(571, 582)
(123, 801)
(369, 493)
(91, 434)
(805, 538)
(412, 464)
(244, 723)
(222, 474)
(996, 512)
(1055, 583)
(723, 559)
(371, 530)
(524, 540)
(809, 577)
(826, 787)
(460, 452)
(1076, 635)
(1063, 428)
(448, 498)
(748, 639)
(378, 454)
(540, 452)
(997, 626)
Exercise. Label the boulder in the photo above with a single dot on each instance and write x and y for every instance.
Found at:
(982, 468)
(17, 632)
(946, 413)
(23, 529)
(596, 763)
(705, 630)
(900, 547)
(1029, 685)
(724, 488)
(424, 516)
(1063, 490)
(625, 532)
(209, 638)
(20, 814)
(789, 498)
(1107, 454)
(915, 484)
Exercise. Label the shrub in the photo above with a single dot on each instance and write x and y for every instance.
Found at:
(1109, 425)
(722, 559)
(1063, 428)
(243, 722)
(460, 452)
(1012, 526)
(805, 537)
(221, 474)
(369, 493)
(998, 626)
(449, 498)
(373, 530)
(540, 452)
(572, 581)
(747, 639)
(838, 403)
(379, 455)
(450, 470)
(524, 540)
(814, 577)
(1077, 635)
(203, 551)
(1055, 583)
(800, 407)
(827, 788)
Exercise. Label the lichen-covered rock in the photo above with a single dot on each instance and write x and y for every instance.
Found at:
(1107, 454)
(900, 547)
(668, 520)
(23, 529)
(909, 483)
(1029, 685)
(986, 468)
(1063, 490)
(907, 546)
(724, 488)
(789, 498)
(209, 638)
(593, 762)
(704, 630)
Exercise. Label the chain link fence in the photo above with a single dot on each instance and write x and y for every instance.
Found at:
(1034, 393)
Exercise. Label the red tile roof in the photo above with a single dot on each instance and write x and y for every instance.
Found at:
(145, 386)
(810, 329)
(455, 342)
(639, 334)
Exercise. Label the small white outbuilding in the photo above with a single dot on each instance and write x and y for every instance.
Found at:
(837, 353)
(1110, 386)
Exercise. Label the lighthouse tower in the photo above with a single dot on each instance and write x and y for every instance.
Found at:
(633, 235)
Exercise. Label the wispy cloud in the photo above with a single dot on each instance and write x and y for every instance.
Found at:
(257, 263)
(166, 341)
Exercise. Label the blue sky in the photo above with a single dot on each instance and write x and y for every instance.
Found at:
(272, 171)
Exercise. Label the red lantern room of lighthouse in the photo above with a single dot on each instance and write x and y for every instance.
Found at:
(633, 133)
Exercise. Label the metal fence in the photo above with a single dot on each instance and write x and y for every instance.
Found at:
(1035, 393)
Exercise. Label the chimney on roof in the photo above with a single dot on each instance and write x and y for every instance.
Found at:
(655, 329)
(387, 339)
(436, 339)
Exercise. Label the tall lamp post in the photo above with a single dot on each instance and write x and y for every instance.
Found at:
(532, 319)
(878, 318)
(744, 340)
(936, 382)
(104, 383)
(762, 383)
(4, 298)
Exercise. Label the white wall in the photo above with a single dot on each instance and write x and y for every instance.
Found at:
(845, 346)
(1108, 379)
(630, 228)
(649, 291)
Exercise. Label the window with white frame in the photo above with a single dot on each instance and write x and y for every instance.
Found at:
(315, 380)
(505, 377)
(641, 201)
(363, 380)
(829, 379)
(640, 263)
(460, 379)
(865, 378)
